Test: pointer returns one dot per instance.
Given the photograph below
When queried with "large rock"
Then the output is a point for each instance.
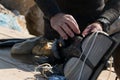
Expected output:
(5, 11)
(9, 20)
(34, 20)
(21, 5)
(34, 16)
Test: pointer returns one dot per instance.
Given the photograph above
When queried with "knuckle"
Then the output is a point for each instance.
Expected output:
(67, 19)
(70, 16)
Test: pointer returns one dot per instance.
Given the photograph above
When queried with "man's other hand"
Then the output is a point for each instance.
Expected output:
(65, 25)
(94, 27)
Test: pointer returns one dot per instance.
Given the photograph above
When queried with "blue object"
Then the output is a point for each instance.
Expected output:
(56, 77)
(9, 21)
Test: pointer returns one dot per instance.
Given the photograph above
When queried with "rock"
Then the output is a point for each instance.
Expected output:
(9, 20)
(5, 11)
(117, 61)
(116, 55)
(44, 48)
(35, 22)
(21, 5)
(22, 22)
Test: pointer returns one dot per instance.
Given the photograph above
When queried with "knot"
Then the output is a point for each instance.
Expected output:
(43, 68)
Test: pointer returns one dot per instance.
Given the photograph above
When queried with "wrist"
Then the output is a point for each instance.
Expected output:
(104, 23)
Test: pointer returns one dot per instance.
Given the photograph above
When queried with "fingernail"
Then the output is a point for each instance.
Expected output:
(83, 35)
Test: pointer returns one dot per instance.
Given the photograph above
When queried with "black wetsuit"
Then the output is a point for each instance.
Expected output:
(84, 11)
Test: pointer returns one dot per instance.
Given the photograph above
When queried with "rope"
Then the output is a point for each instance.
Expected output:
(44, 68)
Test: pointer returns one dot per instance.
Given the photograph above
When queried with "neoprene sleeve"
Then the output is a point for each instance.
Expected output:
(112, 11)
(49, 7)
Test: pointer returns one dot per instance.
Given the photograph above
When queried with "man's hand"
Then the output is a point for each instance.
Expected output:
(65, 25)
(94, 27)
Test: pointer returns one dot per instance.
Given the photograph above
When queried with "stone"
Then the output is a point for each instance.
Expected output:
(21, 5)
(35, 22)
(12, 21)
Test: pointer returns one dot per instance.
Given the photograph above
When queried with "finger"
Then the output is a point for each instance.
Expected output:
(73, 19)
(61, 32)
(73, 25)
(94, 30)
(67, 30)
(86, 31)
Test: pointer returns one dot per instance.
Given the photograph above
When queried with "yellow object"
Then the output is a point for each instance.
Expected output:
(44, 49)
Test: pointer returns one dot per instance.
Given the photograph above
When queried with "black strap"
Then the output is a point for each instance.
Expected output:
(10, 42)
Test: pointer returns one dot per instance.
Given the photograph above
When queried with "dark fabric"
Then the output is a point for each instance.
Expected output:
(49, 33)
(81, 7)
(111, 11)
(84, 11)
(49, 7)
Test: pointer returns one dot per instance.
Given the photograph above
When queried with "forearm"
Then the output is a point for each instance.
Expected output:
(112, 10)
(111, 13)
(49, 7)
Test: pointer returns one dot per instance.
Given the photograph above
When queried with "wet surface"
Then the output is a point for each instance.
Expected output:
(15, 60)
(17, 67)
